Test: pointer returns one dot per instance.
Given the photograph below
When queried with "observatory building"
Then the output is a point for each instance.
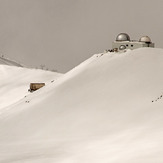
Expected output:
(123, 42)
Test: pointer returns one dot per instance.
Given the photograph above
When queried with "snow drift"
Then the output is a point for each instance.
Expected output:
(108, 109)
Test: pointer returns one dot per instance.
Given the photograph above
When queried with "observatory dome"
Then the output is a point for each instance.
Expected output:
(123, 37)
(122, 47)
(145, 39)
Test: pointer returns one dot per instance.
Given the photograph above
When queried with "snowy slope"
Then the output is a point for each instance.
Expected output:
(5, 61)
(15, 81)
(108, 109)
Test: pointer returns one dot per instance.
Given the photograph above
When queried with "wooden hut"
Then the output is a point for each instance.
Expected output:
(36, 86)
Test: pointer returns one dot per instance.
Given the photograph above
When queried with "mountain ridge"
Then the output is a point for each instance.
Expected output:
(101, 111)
(6, 61)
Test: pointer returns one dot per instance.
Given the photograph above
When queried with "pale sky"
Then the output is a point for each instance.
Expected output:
(63, 33)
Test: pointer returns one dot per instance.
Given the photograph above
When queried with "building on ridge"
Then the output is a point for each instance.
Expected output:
(123, 42)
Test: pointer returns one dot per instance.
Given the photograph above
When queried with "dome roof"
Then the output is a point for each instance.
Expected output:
(145, 39)
(123, 37)
(122, 47)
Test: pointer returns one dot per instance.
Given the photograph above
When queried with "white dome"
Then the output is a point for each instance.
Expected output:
(123, 37)
(122, 47)
(145, 39)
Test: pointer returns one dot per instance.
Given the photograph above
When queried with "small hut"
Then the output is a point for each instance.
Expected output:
(35, 86)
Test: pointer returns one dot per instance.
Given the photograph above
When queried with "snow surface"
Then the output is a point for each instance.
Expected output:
(109, 109)
(15, 81)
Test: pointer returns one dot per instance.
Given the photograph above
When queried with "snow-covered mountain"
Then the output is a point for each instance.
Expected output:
(6, 61)
(108, 109)
(15, 81)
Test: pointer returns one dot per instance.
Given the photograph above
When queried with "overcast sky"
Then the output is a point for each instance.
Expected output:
(62, 33)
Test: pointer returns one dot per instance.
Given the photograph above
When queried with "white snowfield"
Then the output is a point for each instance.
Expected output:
(15, 81)
(109, 109)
